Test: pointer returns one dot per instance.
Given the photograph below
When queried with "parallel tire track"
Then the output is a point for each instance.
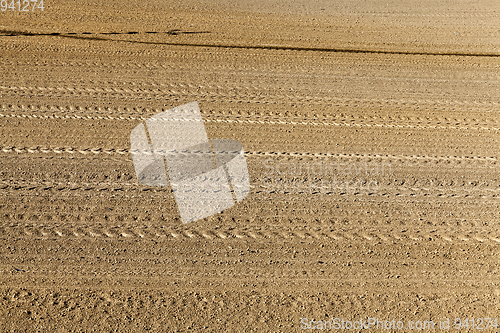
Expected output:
(263, 122)
(137, 111)
(454, 192)
(241, 95)
(272, 234)
(112, 151)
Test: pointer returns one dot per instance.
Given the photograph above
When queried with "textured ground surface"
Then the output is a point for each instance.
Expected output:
(406, 95)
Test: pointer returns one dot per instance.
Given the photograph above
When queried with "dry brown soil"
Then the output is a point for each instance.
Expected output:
(413, 87)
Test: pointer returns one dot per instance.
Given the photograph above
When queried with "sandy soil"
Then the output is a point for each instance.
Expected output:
(410, 89)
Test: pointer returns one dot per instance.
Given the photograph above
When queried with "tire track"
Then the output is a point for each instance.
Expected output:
(261, 122)
(217, 95)
(244, 70)
(246, 234)
(112, 151)
(127, 113)
(130, 112)
(67, 150)
(388, 190)
(172, 66)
